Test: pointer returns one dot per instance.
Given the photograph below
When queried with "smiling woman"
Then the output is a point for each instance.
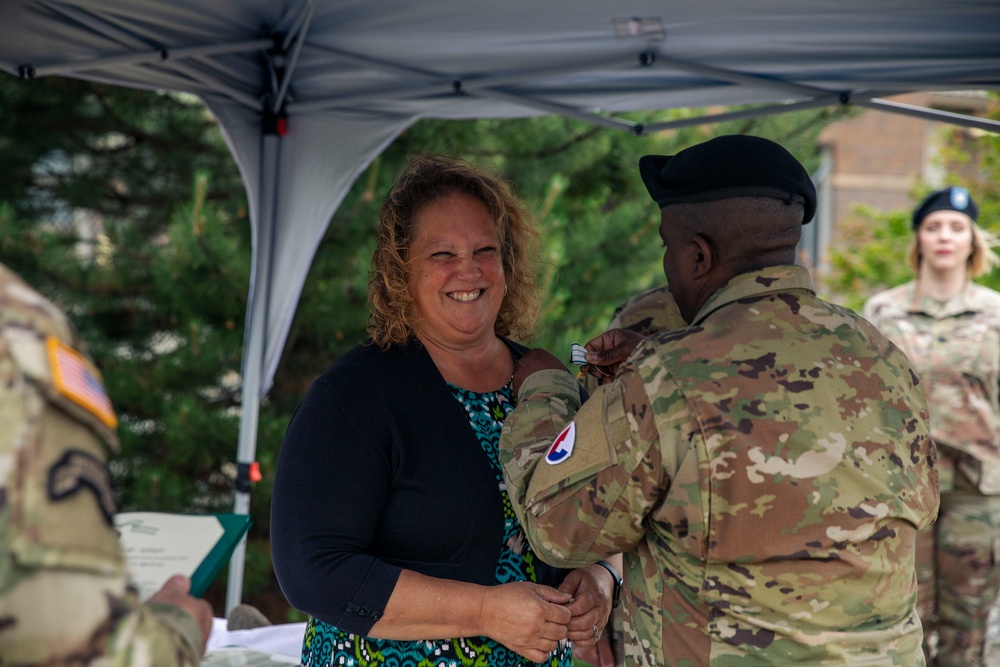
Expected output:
(391, 524)
(456, 281)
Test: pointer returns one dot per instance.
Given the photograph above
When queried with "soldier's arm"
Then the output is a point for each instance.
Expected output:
(160, 634)
(62, 569)
(581, 479)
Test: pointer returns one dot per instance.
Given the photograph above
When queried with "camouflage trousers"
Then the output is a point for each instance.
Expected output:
(957, 575)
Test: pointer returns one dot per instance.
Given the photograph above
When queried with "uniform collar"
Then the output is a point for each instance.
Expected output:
(752, 283)
(966, 301)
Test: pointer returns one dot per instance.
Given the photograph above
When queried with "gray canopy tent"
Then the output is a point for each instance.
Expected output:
(309, 92)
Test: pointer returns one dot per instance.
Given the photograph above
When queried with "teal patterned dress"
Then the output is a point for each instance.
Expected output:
(329, 646)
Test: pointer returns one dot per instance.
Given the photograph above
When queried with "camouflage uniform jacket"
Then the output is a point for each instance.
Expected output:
(764, 471)
(64, 594)
(648, 312)
(955, 348)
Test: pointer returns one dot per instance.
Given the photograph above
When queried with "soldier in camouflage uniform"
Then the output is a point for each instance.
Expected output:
(645, 313)
(764, 470)
(949, 328)
(64, 592)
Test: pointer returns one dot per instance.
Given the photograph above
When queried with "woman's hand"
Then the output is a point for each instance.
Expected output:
(592, 589)
(527, 618)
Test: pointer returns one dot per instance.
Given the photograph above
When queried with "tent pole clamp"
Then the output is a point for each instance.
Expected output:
(246, 475)
(274, 122)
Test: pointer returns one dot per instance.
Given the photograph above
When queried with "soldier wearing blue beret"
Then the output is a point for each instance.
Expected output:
(949, 328)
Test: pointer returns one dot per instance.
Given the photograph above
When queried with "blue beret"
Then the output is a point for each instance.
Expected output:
(728, 166)
(949, 199)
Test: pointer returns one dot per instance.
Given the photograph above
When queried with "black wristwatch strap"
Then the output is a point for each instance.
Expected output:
(616, 597)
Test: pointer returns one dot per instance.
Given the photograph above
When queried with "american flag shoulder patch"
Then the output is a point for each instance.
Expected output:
(78, 380)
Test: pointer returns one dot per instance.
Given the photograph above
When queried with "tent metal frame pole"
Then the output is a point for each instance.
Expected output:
(297, 26)
(731, 76)
(254, 348)
(474, 83)
(932, 114)
(829, 100)
(127, 40)
(214, 85)
(628, 61)
(450, 81)
(279, 98)
(560, 109)
(153, 56)
(88, 20)
(351, 102)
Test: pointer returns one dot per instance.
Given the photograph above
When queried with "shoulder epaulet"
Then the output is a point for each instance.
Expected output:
(43, 345)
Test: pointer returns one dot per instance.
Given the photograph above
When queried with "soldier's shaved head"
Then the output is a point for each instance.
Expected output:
(747, 232)
(710, 243)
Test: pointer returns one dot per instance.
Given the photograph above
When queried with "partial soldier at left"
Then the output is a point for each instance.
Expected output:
(65, 595)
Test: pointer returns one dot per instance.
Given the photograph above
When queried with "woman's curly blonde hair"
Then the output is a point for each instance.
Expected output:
(426, 179)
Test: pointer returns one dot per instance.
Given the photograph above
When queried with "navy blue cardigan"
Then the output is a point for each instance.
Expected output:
(380, 471)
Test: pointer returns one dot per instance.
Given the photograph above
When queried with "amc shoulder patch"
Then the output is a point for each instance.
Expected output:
(77, 379)
(562, 446)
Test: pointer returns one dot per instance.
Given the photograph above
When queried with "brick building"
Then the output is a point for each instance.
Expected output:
(877, 159)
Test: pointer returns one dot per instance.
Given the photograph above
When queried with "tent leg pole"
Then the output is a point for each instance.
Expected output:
(246, 453)
(254, 351)
(234, 584)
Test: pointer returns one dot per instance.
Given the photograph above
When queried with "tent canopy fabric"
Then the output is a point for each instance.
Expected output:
(344, 77)
(309, 92)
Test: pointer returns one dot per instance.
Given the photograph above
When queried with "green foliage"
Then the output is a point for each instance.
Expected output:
(874, 257)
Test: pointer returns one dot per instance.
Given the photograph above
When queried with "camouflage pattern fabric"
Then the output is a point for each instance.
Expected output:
(955, 348)
(648, 312)
(645, 313)
(64, 593)
(764, 471)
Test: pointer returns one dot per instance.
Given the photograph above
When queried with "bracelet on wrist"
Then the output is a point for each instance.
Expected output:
(616, 596)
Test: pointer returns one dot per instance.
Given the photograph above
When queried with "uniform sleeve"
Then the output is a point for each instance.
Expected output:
(62, 568)
(583, 479)
(155, 635)
(330, 483)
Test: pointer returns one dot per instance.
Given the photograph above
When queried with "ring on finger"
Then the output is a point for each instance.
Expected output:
(597, 633)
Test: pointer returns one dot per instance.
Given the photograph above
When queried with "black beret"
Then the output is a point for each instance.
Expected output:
(949, 199)
(729, 166)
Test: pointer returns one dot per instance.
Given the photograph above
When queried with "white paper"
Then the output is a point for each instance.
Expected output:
(282, 642)
(159, 545)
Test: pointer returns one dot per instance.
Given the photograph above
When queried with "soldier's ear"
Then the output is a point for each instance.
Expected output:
(703, 257)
